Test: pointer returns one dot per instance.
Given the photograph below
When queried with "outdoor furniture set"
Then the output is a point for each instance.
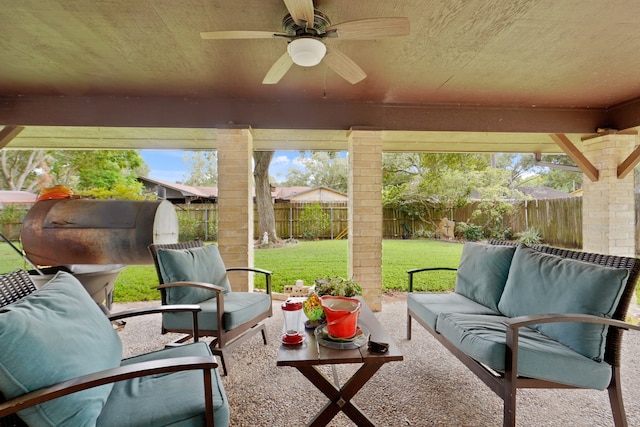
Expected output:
(533, 317)
(519, 317)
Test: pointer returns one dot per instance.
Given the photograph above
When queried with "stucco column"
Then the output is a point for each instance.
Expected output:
(608, 209)
(365, 213)
(235, 203)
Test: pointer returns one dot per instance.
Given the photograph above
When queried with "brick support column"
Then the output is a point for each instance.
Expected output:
(608, 210)
(235, 203)
(365, 213)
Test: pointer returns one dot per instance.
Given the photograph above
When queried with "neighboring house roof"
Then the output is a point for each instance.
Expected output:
(318, 194)
(174, 191)
(16, 197)
(536, 193)
(544, 193)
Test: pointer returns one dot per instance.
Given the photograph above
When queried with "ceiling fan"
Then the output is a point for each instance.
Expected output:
(306, 28)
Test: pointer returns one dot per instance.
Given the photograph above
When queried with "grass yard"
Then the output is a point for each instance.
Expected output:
(306, 261)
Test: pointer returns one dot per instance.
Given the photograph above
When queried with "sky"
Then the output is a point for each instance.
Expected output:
(168, 165)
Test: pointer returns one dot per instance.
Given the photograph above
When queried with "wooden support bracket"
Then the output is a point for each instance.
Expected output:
(629, 163)
(8, 133)
(572, 151)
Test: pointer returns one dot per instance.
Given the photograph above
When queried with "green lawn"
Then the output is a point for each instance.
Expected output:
(306, 261)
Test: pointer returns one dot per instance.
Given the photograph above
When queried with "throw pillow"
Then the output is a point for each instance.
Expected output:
(483, 271)
(201, 264)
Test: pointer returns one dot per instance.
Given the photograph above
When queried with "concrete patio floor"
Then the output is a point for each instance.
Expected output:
(429, 388)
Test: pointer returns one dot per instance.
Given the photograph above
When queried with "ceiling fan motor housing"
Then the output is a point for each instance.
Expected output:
(320, 24)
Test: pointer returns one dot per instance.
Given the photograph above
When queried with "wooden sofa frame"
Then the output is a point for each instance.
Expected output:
(506, 384)
(17, 285)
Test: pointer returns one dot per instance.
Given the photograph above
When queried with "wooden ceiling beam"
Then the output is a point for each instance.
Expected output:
(8, 133)
(179, 112)
(572, 151)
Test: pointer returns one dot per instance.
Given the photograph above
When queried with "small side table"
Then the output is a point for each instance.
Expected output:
(307, 356)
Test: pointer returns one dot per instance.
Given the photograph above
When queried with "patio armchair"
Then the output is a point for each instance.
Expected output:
(64, 366)
(193, 273)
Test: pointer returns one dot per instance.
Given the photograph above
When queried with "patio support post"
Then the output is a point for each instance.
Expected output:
(365, 213)
(235, 202)
(608, 224)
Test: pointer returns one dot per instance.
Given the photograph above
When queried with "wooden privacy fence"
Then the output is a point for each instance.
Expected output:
(559, 221)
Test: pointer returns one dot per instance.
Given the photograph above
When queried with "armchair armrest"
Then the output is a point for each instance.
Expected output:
(513, 325)
(136, 370)
(267, 274)
(209, 286)
(516, 322)
(193, 308)
(420, 270)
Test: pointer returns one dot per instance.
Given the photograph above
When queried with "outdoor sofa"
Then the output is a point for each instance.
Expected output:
(533, 317)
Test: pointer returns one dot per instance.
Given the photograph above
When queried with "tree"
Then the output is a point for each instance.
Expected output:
(321, 169)
(99, 173)
(203, 168)
(24, 170)
(263, 195)
(429, 186)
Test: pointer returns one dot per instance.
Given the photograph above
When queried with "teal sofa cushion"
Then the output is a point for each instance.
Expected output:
(175, 399)
(54, 334)
(427, 306)
(540, 283)
(482, 273)
(201, 264)
(484, 339)
(239, 307)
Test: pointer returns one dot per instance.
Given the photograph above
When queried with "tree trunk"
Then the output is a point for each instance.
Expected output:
(263, 196)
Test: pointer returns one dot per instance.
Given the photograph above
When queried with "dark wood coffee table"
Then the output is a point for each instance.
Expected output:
(306, 358)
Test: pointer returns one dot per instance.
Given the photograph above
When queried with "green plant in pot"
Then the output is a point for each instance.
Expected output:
(336, 286)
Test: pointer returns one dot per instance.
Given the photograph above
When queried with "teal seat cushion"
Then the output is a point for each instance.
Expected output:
(201, 264)
(52, 335)
(540, 283)
(427, 306)
(482, 273)
(240, 307)
(175, 399)
(484, 339)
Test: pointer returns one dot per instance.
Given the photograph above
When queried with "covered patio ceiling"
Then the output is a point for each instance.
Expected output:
(472, 76)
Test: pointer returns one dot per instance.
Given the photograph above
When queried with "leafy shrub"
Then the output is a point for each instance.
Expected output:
(314, 221)
(469, 232)
(530, 236)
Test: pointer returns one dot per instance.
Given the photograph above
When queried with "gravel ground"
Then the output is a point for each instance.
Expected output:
(429, 388)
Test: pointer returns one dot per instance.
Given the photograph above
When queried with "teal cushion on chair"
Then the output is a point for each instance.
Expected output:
(202, 264)
(483, 271)
(55, 334)
(175, 399)
(540, 283)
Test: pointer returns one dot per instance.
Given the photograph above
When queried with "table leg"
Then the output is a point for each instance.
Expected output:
(340, 398)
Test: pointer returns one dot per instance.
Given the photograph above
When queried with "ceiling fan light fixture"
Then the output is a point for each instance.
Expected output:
(306, 51)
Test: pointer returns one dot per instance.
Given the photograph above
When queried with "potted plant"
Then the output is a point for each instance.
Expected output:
(335, 286)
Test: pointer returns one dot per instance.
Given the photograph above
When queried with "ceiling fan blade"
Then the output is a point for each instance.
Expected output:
(278, 69)
(373, 28)
(216, 35)
(344, 66)
(301, 10)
